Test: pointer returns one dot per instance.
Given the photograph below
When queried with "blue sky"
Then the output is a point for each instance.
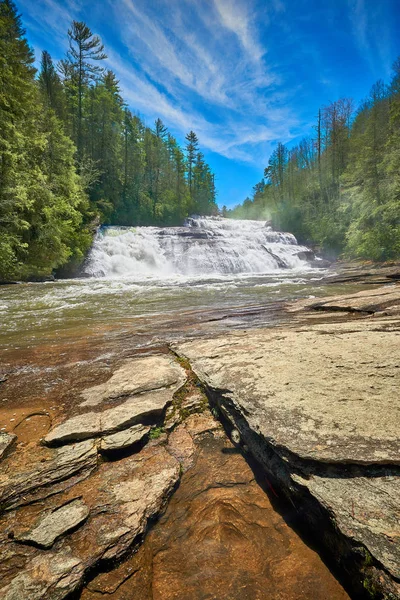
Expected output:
(244, 74)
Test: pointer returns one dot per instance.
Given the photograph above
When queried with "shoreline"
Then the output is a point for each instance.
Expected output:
(295, 473)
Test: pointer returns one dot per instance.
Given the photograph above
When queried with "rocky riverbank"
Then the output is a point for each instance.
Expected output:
(317, 404)
(87, 470)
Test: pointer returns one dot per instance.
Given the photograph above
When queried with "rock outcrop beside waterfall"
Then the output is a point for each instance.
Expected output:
(317, 405)
(313, 400)
(73, 519)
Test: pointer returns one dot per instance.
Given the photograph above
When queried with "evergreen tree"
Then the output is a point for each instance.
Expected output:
(192, 147)
(341, 189)
(51, 87)
(41, 201)
(85, 49)
(76, 119)
(102, 141)
(19, 142)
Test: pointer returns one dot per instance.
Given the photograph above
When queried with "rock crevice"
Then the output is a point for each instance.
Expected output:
(328, 437)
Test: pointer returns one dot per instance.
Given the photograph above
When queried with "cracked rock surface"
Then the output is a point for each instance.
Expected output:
(82, 480)
(219, 538)
(321, 401)
(136, 376)
(323, 393)
(66, 509)
(55, 523)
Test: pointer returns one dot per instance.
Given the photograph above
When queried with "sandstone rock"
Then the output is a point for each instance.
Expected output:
(56, 523)
(194, 403)
(135, 376)
(372, 301)
(49, 477)
(219, 538)
(124, 439)
(182, 447)
(121, 497)
(6, 440)
(323, 393)
(365, 509)
(143, 408)
(51, 576)
(317, 405)
(80, 427)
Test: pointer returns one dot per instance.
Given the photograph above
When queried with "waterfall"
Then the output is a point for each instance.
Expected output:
(204, 246)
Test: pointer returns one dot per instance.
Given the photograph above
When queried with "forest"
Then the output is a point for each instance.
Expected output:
(339, 189)
(73, 156)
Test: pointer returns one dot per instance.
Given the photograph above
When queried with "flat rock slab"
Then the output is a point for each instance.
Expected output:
(383, 299)
(124, 439)
(323, 393)
(146, 407)
(56, 523)
(6, 440)
(365, 509)
(324, 397)
(136, 376)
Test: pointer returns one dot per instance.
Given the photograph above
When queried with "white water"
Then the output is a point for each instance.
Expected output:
(205, 246)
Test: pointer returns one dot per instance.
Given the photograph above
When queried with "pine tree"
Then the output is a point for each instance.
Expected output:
(51, 87)
(192, 147)
(85, 49)
(102, 141)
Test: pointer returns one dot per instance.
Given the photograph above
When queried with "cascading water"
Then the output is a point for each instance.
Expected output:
(204, 246)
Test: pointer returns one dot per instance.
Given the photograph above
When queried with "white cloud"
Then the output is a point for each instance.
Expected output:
(370, 28)
(236, 16)
(196, 64)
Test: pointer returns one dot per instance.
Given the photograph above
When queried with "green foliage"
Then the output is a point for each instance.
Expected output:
(340, 189)
(156, 432)
(72, 155)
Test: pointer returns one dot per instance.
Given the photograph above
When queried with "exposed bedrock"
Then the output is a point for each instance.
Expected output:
(138, 392)
(317, 406)
(67, 510)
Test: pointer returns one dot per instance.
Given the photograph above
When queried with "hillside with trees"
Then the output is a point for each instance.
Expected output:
(73, 155)
(339, 188)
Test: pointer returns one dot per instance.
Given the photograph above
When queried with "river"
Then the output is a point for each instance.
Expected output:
(158, 283)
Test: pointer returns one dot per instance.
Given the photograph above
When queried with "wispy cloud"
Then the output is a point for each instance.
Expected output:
(177, 69)
(197, 64)
(370, 29)
(237, 17)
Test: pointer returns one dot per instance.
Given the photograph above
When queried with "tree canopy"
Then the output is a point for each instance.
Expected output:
(340, 188)
(73, 155)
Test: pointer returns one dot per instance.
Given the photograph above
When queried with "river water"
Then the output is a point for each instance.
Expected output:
(146, 280)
